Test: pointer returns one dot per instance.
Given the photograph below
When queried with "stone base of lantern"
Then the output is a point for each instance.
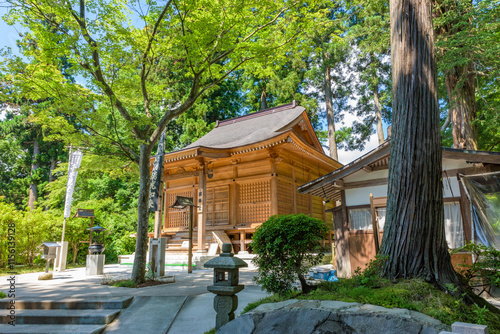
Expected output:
(225, 307)
(95, 264)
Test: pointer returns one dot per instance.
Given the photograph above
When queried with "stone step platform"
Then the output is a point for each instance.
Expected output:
(52, 329)
(66, 317)
(112, 303)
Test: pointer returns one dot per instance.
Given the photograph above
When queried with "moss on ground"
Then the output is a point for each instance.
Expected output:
(414, 294)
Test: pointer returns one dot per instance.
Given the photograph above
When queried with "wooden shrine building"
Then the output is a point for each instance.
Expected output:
(360, 189)
(242, 172)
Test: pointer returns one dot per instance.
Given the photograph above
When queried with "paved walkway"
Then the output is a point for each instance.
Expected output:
(187, 301)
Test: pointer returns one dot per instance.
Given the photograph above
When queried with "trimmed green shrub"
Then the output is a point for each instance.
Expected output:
(284, 246)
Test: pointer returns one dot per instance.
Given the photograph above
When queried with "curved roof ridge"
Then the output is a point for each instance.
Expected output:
(260, 113)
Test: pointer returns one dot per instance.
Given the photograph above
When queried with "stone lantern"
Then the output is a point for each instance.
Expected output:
(95, 260)
(226, 277)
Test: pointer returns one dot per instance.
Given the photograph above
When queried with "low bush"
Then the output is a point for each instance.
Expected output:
(284, 246)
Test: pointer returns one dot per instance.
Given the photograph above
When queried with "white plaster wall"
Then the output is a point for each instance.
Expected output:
(362, 175)
(455, 164)
(361, 196)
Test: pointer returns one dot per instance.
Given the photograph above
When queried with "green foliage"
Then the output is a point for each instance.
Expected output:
(2, 295)
(150, 273)
(372, 272)
(124, 284)
(486, 268)
(31, 229)
(283, 245)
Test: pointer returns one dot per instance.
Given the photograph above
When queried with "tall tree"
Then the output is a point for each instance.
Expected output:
(467, 44)
(190, 45)
(414, 238)
(370, 34)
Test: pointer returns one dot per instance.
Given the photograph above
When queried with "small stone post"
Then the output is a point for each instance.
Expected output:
(226, 277)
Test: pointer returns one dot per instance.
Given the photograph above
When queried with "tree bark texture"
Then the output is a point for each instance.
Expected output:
(33, 193)
(462, 99)
(141, 244)
(329, 115)
(378, 115)
(460, 84)
(263, 97)
(414, 236)
(53, 165)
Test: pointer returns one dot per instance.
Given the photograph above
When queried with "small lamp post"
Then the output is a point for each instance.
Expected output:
(95, 260)
(98, 246)
(226, 277)
(182, 202)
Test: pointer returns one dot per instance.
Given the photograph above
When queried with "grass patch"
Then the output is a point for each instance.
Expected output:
(123, 284)
(414, 294)
(33, 269)
(2, 295)
(126, 283)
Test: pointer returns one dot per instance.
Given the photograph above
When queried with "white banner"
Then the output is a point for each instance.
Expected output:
(75, 158)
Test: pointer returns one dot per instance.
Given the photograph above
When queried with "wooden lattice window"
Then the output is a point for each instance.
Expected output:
(218, 205)
(177, 217)
(285, 198)
(255, 202)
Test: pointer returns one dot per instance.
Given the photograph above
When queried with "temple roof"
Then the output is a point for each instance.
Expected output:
(251, 128)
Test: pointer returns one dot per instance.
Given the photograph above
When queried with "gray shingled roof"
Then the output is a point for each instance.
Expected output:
(251, 128)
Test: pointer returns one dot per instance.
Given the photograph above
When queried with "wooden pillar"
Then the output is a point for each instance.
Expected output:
(274, 188)
(341, 228)
(374, 224)
(165, 206)
(234, 199)
(294, 185)
(202, 208)
(243, 247)
(158, 212)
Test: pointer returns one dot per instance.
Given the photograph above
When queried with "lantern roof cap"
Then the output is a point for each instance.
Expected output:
(97, 228)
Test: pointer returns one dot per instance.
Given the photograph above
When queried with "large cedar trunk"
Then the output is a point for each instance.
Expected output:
(414, 236)
(329, 115)
(141, 244)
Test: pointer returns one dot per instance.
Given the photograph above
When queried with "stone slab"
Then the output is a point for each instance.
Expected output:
(69, 303)
(68, 317)
(465, 328)
(95, 264)
(308, 317)
(149, 315)
(52, 329)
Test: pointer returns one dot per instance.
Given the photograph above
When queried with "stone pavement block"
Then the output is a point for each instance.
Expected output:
(443, 332)
(465, 328)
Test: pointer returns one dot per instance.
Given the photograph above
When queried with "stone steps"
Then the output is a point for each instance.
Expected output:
(115, 303)
(52, 329)
(67, 317)
(72, 315)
